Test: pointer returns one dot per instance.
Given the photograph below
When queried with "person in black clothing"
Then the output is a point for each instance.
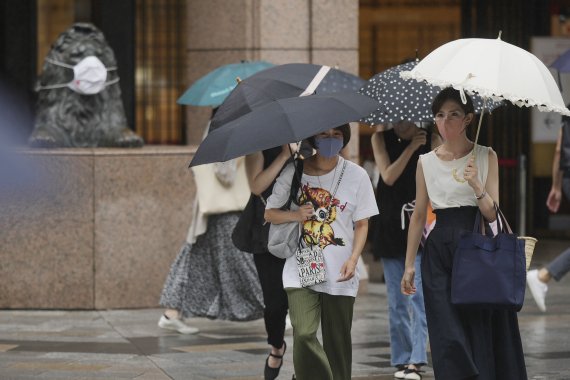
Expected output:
(262, 169)
(396, 153)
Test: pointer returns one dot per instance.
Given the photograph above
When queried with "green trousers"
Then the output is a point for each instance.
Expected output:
(333, 359)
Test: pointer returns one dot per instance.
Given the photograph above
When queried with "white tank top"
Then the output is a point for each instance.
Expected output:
(443, 178)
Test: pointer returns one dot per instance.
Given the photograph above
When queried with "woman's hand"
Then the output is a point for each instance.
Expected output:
(347, 270)
(419, 139)
(553, 200)
(470, 175)
(288, 149)
(408, 286)
(305, 212)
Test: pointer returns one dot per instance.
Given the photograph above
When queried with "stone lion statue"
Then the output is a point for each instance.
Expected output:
(79, 98)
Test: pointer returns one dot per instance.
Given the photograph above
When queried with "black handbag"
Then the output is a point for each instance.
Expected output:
(489, 272)
(250, 232)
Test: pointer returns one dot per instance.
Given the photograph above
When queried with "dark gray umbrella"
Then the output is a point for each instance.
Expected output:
(280, 122)
(562, 65)
(402, 99)
(279, 82)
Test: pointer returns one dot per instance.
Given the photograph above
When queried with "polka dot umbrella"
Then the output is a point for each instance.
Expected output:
(402, 99)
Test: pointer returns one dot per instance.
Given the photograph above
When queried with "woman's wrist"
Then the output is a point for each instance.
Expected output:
(410, 150)
(478, 188)
(481, 195)
(284, 155)
(354, 258)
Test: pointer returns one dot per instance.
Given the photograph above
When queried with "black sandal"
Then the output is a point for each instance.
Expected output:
(272, 373)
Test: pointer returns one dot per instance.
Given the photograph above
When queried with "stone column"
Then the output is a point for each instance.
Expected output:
(278, 31)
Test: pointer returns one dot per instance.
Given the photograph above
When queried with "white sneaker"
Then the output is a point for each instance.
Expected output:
(176, 325)
(400, 374)
(537, 288)
(412, 375)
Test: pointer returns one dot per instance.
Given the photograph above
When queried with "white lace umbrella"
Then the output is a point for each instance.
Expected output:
(493, 69)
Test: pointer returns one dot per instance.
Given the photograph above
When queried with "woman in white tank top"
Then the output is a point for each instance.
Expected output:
(459, 178)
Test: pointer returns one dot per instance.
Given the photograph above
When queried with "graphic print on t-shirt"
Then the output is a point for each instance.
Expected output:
(318, 229)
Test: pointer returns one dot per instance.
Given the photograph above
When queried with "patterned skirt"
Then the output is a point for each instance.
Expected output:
(214, 279)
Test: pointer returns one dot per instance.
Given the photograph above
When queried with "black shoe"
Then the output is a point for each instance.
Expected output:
(272, 373)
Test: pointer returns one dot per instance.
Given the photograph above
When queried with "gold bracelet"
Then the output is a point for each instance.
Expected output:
(481, 196)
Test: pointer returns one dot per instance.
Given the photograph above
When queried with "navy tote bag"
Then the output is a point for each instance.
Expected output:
(489, 272)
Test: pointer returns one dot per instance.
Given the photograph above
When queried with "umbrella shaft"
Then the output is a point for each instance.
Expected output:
(479, 125)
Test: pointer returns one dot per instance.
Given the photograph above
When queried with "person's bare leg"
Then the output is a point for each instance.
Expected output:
(544, 275)
(275, 362)
(172, 313)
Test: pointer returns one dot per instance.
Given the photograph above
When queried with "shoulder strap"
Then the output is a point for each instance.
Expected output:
(295, 183)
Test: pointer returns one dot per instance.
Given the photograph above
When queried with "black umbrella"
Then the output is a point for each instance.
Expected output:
(279, 82)
(280, 122)
(402, 99)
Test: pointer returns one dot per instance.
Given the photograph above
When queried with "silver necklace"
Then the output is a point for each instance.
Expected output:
(334, 175)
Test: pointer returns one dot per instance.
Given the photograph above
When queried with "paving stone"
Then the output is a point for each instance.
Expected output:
(127, 344)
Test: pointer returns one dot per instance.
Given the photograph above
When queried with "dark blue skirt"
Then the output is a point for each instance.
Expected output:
(474, 344)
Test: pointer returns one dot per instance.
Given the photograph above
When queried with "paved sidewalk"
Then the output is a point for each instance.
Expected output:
(127, 344)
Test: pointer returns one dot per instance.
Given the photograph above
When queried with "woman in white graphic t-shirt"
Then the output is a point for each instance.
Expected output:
(333, 205)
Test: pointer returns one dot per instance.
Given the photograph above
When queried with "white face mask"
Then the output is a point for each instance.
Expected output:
(89, 76)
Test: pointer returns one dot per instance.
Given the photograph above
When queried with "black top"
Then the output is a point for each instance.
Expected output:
(389, 238)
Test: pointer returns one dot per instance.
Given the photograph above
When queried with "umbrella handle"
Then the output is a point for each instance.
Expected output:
(479, 125)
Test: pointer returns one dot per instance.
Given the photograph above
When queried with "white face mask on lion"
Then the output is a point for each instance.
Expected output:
(89, 76)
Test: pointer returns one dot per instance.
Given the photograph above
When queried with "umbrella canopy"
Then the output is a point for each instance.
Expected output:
(279, 82)
(402, 99)
(562, 65)
(280, 122)
(214, 87)
(492, 69)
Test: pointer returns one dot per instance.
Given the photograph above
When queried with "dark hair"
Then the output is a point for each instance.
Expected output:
(450, 93)
(345, 129)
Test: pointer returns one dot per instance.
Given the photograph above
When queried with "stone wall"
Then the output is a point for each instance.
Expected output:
(94, 228)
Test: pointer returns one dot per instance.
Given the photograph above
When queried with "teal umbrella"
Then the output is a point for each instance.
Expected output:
(214, 87)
